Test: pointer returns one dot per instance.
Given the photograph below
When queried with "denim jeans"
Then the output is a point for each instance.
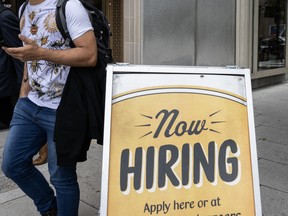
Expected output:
(30, 128)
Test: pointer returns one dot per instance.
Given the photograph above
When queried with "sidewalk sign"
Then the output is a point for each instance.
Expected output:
(179, 141)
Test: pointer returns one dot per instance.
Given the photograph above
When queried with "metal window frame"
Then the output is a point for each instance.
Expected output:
(270, 72)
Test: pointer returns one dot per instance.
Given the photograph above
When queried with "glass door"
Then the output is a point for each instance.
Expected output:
(272, 34)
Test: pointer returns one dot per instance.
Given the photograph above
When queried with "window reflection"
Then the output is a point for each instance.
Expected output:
(272, 34)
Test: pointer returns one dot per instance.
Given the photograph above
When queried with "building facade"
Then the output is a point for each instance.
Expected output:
(244, 33)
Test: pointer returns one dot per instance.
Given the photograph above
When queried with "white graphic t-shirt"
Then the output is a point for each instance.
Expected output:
(48, 79)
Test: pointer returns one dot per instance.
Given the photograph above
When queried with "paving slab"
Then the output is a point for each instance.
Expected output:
(273, 175)
(273, 120)
(274, 203)
(273, 152)
(268, 133)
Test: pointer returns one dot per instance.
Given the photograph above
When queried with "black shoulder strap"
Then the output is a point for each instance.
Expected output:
(61, 21)
(23, 8)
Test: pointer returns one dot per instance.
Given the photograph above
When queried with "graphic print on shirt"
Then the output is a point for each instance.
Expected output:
(50, 23)
(44, 39)
(46, 78)
(34, 66)
(31, 15)
(35, 85)
(34, 26)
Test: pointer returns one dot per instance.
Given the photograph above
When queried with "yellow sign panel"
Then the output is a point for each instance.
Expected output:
(180, 150)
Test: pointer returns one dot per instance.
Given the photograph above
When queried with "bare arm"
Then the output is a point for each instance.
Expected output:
(84, 54)
(25, 87)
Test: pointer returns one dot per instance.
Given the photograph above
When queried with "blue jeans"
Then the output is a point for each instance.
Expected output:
(30, 128)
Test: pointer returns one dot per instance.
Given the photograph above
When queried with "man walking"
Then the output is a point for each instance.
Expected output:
(47, 65)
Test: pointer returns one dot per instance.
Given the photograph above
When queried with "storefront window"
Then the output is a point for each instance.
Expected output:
(272, 34)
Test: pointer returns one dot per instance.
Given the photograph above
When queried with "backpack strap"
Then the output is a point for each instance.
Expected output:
(23, 8)
(61, 22)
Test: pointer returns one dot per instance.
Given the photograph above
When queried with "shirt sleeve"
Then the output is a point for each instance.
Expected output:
(77, 18)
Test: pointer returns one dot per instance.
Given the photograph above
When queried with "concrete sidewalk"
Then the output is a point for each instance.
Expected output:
(271, 121)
